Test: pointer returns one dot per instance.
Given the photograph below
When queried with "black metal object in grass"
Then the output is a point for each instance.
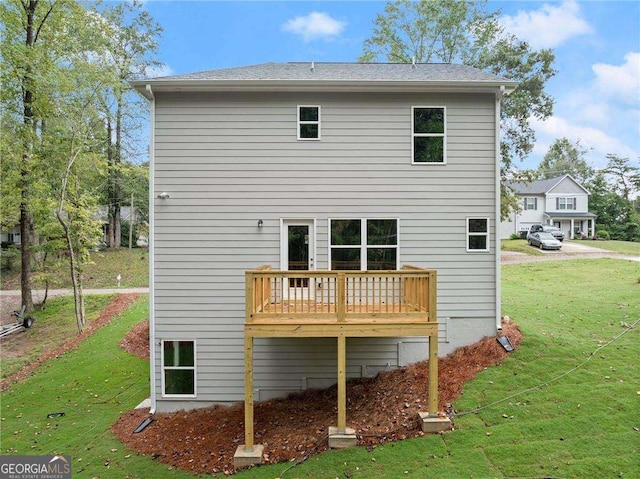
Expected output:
(505, 343)
(142, 426)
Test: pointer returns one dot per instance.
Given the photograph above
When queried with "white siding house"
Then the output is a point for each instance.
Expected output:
(323, 166)
(560, 201)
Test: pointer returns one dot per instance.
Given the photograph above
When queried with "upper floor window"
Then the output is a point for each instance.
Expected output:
(531, 203)
(364, 244)
(178, 368)
(428, 135)
(565, 203)
(308, 122)
(478, 234)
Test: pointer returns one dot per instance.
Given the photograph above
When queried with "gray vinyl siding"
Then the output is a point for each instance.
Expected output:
(230, 159)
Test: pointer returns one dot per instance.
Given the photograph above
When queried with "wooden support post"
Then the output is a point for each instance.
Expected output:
(342, 297)
(248, 392)
(433, 374)
(342, 384)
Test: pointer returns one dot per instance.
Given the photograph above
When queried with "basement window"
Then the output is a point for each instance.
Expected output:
(308, 122)
(178, 368)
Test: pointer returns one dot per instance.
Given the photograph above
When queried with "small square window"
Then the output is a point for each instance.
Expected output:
(478, 234)
(308, 122)
(428, 135)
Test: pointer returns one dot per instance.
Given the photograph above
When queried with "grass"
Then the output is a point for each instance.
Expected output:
(101, 272)
(624, 247)
(519, 246)
(54, 325)
(580, 425)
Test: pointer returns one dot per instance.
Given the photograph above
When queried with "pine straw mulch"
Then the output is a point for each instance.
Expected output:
(380, 409)
(120, 303)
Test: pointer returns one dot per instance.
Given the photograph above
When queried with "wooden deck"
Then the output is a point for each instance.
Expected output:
(339, 304)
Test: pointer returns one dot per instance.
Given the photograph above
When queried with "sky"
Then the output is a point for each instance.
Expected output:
(596, 44)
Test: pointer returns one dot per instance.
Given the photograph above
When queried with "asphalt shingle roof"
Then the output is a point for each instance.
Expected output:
(435, 72)
(538, 187)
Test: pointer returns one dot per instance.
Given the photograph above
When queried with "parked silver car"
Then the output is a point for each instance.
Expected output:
(544, 240)
(554, 230)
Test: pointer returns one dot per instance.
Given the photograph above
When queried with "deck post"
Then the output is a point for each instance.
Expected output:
(433, 375)
(248, 392)
(341, 437)
(342, 384)
(248, 454)
(341, 297)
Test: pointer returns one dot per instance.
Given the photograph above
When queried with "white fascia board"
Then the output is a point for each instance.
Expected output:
(323, 86)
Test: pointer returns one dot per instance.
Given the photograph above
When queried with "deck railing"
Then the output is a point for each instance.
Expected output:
(340, 296)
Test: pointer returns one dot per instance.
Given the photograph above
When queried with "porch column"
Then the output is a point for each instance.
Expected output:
(571, 233)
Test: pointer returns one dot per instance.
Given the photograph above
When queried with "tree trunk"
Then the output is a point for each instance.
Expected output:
(75, 276)
(25, 167)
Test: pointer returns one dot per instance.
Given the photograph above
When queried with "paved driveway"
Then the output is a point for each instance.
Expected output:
(570, 250)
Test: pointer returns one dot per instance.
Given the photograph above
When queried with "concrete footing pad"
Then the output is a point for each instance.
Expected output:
(243, 458)
(341, 440)
(434, 424)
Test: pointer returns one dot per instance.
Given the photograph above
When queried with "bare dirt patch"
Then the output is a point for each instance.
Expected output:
(120, 303)
(380, 409)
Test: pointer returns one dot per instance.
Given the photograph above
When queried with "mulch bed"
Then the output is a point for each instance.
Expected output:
(380, 409)
(136, 341)
(120, 303)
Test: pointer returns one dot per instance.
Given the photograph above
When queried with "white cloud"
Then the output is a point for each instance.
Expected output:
(162, 70)
(597, 141)
(315, 25)
(621, 82)
(549, 26)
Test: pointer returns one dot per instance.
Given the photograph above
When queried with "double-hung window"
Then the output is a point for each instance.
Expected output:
(428, 135)
(364, 244)
(178, 368)
(565, 203)
(308, 122)
(478, 235)
(531, 203)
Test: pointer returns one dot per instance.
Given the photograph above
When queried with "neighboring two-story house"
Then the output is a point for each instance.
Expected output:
(295, 204)
(560, 201)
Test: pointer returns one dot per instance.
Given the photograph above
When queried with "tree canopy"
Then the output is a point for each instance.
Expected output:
(565, 157)
(65, 95)
(467, 32)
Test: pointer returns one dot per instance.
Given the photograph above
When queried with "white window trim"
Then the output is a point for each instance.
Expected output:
(363, 241)
(469, 234)
(565, 200)
(443, 135)
(300, 122)
(163, 368)
(535, 203)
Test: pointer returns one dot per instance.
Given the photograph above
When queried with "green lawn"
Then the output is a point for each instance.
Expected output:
(624, 247)
(579, 425)
(519, 246)
(132, 266)
(54, 325)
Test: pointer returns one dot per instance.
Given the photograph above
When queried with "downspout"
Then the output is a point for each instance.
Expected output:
(152, 246)
(496, 236)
